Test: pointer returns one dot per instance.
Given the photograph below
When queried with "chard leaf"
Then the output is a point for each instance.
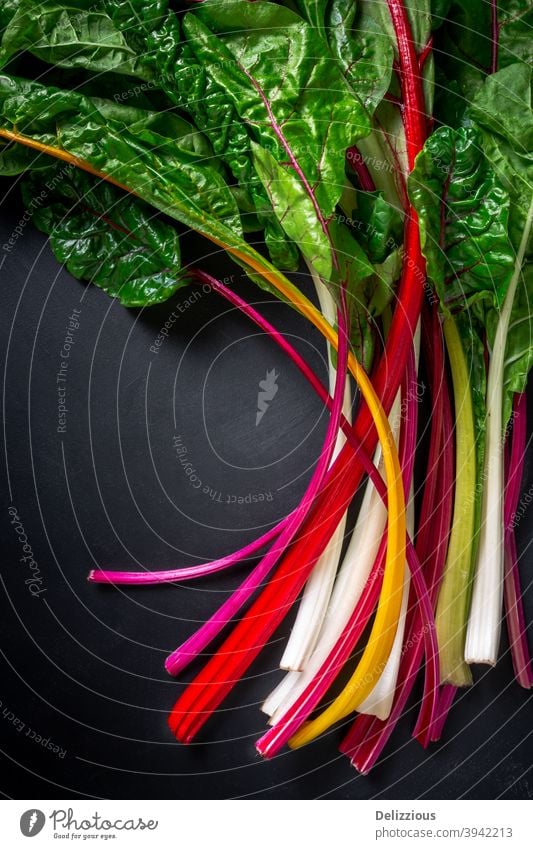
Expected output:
(463, 211)
(419, 13)
(368, 289)
(515, 21)
(469, 33)
(380, 287)
(357, 38)
(107, 237)
(152, 30)
(136, 19)
(519, 347)
(69, 37)
(439, 11)
(518, 358)
(278, 80)
(507, 132)
(294, 102)
(378, 225)
(420, 17)
(374, 296)
(515, 172)
(354, 267)
(161, 130)
(190, 85)
(15, 159)
(302, 225)
(174, 179)
(316, 243)
(502, 108)
(367, 299)
(171, 177)
(466, 51)
(7, 10)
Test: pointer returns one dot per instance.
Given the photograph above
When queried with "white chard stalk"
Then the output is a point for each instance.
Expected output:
(484, 625)
(318, 588)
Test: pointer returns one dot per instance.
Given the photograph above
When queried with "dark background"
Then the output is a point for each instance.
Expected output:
(82, 665)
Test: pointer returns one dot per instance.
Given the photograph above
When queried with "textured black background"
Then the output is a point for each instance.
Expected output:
(83, 665)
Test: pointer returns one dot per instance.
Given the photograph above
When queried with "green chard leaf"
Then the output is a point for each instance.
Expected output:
(106, 237)
(419, 13)
(188, 84)
(469, 33)
(15, 159)
(279, 80)
(298, 135)
(358, 38)
(166, 173)
(463, 211)
(467, 51)
(136, 19)
(439, 11)
(518, 355)
(173, 178)
(361, 39)
(378, 225)
(384, 149)
(502, 108)
(152, 29)
(508, 137)
(7, 10)
(515, 21)
(519, 348)
(69, 37)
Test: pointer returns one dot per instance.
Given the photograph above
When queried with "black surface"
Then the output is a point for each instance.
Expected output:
(82, 665)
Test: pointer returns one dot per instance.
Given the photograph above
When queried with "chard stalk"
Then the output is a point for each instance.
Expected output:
(484, 626)
(374, 153)
(452, 607)
(318, 588)
(379, 702)
(512, 591)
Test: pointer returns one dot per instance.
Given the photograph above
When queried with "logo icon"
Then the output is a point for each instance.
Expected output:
(32, 822)
(268, 388)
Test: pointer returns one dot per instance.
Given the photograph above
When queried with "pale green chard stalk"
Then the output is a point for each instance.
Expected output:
(454, 596)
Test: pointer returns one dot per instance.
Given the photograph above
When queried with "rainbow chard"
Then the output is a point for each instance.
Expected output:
(305, 132)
